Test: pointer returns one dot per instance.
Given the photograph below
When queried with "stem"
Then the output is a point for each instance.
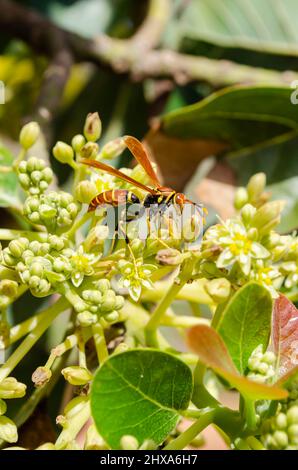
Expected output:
(19, 158)
(69, 343)
(81, 348)
(250, 413)
(29, 406)
(9, 234)
(76, 423)
(187, 436)
(160, 311)
(254, 443)
(100, 343)
(194, 292)
(43, 322)
(78, 223)
(183, 321)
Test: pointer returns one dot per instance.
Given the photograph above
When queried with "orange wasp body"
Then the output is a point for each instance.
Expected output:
(159, 195)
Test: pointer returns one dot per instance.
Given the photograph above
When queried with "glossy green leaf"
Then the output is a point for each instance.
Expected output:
(8, 181)
(212, 351)
(246, 322)
(139, 393)
(260, 25)
(245, 118)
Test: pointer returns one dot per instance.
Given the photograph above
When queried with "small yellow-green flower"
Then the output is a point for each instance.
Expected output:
(290, 269)
(236, 245)
(134, 276)
(82, 264)
(269, 276)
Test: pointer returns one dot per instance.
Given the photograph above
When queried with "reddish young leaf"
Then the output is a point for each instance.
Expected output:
(285, 334)
(212, 351)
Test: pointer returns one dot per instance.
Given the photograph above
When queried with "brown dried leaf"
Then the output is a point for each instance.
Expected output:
(177, 158)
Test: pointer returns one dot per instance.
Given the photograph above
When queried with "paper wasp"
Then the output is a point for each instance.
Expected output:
(159, 195)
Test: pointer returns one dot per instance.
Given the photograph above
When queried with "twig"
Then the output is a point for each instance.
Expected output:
(135, 55)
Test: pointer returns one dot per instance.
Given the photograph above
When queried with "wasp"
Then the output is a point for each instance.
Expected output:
(158, 195)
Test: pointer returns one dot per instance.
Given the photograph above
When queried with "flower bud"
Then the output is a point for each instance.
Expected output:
(281, 421)
(252, 234)
(169, 257)
(129, 443)
(112, 149)
(292, 415)
(281, 439)
(76, 375)
(62, 421)
(34, 164)
(293, 434)
(86, 319)
(9, 288)
(119, 302)
(108, 301)
(75, 406)
(247, 213)
(8, 430)
(41, 376)
(112, 317)
(256, 186)
(3, 407)
(103, 285)
(271, 240)
(241, 198)
(93, 440)
(90, 150)
(16, 248)
(29, 135)
(24, 180)
(92, 296)
(92, 128)
(78, 142)
(122, 347)
(47, 212)
(85, 191)
(218, 289)
(63, 153)
(11, 388)
(267, 216)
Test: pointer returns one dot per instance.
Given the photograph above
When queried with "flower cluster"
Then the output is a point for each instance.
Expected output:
(34, 176)
(262, 366)
(247, 248)
(9, 388)
(99, 301)
(55, 210)
(134, 276)
(281, 431)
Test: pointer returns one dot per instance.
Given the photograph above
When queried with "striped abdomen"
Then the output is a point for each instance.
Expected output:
(113, 197)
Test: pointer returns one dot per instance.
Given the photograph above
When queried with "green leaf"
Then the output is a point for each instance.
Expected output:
(212, 351)
(246, 322)
(8, 181)
(245, 118)
(139, 393)
(285, 334)
(259, 25)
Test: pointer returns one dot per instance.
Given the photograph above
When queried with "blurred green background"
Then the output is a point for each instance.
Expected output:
(208, 129)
